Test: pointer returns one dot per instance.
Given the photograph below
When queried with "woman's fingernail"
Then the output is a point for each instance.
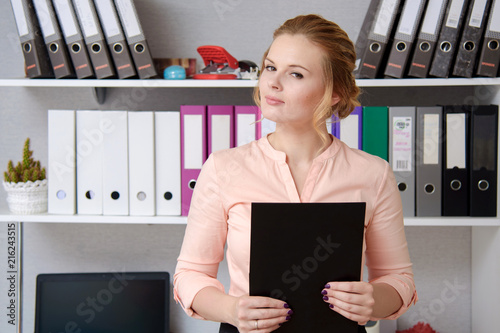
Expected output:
(324, 292)
(286, 306)
(331, 306)
(290, 312)
(288, 318)
(327, 286)
(325, 298)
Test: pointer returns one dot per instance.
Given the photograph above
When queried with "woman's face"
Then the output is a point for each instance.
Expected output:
(291, 84)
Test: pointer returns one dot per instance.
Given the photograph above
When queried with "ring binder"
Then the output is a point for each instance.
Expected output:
(115, 39)
(73, 38)
(58, 54)
(94, 38)
(37, 62)
(136, 39)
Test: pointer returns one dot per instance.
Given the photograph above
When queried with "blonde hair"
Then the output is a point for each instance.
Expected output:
(338, 65)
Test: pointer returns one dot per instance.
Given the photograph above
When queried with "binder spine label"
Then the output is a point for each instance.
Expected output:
(402, 144)
(431, 139)
(68, 25)
(494, 28)
(222, 139)
(476, 17)
(110, 24)
(86, 18)
(193, 138)
(384, 20)
(456, 140)
(22, 25)
(454, 14)
(407, 26)
(127, 10)
(433, 16)
(44, 18)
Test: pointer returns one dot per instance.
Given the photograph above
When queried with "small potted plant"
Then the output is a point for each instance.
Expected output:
(26, 184)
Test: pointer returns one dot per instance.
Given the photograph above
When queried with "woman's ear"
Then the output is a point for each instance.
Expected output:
(335, 98)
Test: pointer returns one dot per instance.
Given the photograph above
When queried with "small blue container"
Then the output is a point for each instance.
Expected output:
(174, 72)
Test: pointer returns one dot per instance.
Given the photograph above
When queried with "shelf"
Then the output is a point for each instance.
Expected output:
(105, 83)
(452, 222)
(160, 83)
(51, 218)
(101, 219)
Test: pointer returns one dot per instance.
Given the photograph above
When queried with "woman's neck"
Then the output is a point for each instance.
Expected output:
(300, 146)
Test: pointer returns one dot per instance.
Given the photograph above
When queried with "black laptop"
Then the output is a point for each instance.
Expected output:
(121, 302)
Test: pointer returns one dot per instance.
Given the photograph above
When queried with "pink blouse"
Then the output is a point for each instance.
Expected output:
(232, 179)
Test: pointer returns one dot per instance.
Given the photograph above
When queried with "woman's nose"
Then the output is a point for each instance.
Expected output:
(274, 83)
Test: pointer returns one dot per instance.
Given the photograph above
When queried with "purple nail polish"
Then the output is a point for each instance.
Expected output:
(325, 298)
(324, 292)
(331, 306)
(286, 306)
(288, 318)
(327, 286)
(290, 312)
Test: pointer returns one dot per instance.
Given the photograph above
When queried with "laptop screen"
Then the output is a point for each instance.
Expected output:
(131, 302)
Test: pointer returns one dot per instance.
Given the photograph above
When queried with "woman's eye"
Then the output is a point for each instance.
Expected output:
(270, 68)
(297, 75)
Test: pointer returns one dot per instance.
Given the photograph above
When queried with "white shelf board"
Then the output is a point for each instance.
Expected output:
(160, 83)
(52, 218)
(434, 82)
(113, 83)
(443, 221)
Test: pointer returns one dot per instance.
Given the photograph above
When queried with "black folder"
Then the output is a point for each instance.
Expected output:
(483, 175)
(36, 59)
(404, 38)
(115, 38)
(427, 38)
(56, 46)
(471, 38)
(94, 39)
(449, 37)
(362, 39)
(136, 39)
(296, 248)
(74, 38)
(490, 49)
(456, 119)
(379, 39)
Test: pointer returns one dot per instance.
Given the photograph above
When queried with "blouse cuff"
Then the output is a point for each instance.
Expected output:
(185, 292)
(406, 290)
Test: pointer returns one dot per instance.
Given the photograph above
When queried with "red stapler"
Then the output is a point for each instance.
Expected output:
(219, 64)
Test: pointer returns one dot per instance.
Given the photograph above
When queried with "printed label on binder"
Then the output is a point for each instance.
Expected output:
(402, 144)
(431, 139)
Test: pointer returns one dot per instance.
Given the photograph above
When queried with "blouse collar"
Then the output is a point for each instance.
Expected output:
(277, 155)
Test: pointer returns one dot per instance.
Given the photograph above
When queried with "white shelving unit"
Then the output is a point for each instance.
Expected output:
(51, 218)
(485, 231)
(160, 83)
(493, 85)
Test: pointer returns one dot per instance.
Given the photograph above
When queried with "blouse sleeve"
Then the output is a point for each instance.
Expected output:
(203, 246)
(387, 257)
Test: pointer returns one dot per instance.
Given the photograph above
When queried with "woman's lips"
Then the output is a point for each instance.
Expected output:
(273, 100)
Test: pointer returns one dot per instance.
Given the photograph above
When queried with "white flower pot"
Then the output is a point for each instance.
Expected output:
(27, 198)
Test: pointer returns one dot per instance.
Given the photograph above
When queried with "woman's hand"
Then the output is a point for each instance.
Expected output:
(353, 300)
(260, 314)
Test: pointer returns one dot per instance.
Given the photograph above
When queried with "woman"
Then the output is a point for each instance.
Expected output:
(306, 77)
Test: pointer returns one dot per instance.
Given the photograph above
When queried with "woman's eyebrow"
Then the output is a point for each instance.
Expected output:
(292, 65)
